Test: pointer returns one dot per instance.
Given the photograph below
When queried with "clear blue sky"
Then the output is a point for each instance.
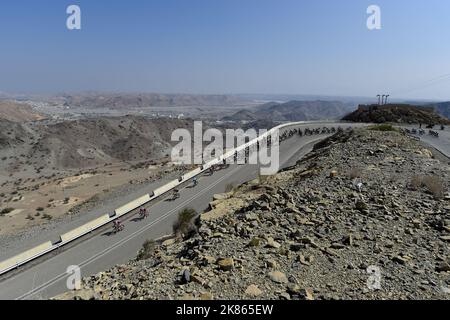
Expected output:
(227, 46)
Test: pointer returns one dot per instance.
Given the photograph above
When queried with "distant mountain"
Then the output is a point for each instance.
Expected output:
(397, 113)
(142, 100)
(294, 111)
(443, 108)
(242, 115)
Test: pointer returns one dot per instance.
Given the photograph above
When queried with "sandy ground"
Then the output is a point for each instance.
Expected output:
(38, 200)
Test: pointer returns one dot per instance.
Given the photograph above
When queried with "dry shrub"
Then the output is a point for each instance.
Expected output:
(147, 250)
(5, 211)
(229, 187)
(382, 127)
(185, 224)
(435, 185)
(355, 173)
(416, 182)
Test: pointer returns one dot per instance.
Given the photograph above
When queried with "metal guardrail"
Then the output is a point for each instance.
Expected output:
(15, 262)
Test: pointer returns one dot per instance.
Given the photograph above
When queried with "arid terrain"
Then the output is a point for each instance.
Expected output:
(18, 112)
(49, 169)
(37, 201)
(183, 151)
(362, 200)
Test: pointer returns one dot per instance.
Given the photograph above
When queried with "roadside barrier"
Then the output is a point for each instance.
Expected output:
(84, 229)
(25, 257)
(132, 205)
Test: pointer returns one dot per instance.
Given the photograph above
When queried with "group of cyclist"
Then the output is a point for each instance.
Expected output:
(176, 192)
(143, 213)
(431, 126)
(119, 226)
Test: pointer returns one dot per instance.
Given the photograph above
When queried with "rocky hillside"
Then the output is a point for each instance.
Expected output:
(363, 200)
(18, 112)
(397, 114)
(442, 108)
(293, 111)
(85, 143)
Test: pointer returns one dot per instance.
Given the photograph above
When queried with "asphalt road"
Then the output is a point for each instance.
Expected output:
(46, 277)
(442, 143)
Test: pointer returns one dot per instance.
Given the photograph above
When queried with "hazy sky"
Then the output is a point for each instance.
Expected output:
(227, 46)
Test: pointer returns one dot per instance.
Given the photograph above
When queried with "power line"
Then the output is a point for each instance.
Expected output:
(424, 84)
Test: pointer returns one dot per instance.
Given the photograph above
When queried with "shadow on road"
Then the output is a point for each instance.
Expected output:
(137, 219)
(108, 233)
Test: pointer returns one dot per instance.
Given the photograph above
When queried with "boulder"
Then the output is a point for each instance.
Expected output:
(278, 277)
(361, 206)
(306, 294)
(333, 174)
(271, 263)
(443, 266)
(221, 196)
(226, 264)
(168, 242)
(253, 291)
(272, 243)
(82, 294)
(206, 296)
(254, 242)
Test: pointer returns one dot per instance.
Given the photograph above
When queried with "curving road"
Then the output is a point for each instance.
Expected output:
(46, 277)
(442, 143)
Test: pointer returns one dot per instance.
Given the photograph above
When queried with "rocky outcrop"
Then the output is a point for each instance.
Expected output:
(396, 113)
